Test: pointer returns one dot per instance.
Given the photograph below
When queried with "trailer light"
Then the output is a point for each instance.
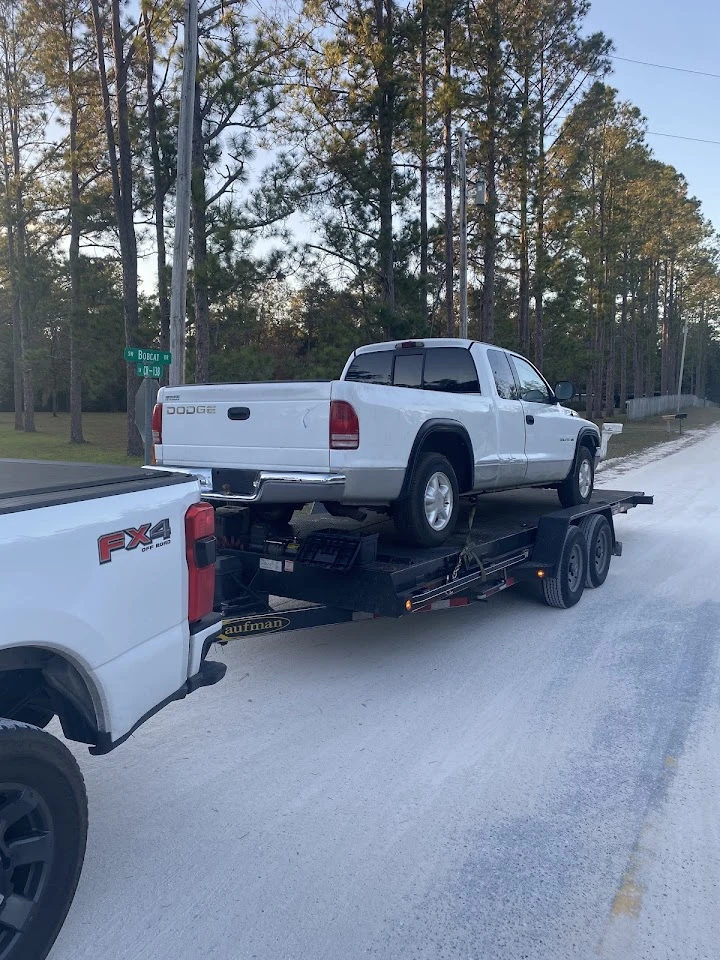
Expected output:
(408, 605)
(541, 573)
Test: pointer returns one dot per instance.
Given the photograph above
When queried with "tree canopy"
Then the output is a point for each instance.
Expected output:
(324, 197)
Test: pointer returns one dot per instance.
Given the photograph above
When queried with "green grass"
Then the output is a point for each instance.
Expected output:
(105, 434)
(106, 439)
(639, 435)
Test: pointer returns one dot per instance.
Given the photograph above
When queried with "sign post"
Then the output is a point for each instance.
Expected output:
(148, 365)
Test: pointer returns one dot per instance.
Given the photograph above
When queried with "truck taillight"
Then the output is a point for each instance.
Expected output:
(344, 426)
(157, 423)
(200, 552)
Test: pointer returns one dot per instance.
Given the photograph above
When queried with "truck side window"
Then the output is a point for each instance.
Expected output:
(504, 379)
(373, 367)
(533, 388)
(450, 370)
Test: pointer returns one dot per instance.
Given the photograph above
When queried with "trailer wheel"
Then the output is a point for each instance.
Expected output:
(566, 587)
(43, 831)
(427, 516)
(598, 538)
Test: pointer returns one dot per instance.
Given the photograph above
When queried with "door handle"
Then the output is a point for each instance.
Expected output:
(529, 419)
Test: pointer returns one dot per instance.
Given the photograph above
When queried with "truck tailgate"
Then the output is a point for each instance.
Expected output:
(263, 426)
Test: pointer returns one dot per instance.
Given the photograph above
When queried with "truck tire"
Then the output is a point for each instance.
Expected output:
(566, 587)
(578, 486)
(427, 515)
(599, 542)
(43, 832)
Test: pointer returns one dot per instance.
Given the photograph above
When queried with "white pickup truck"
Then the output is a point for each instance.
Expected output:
(106, 605)
(412, 426)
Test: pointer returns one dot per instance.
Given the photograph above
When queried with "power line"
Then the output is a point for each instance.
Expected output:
(665, 66)
(676, 136)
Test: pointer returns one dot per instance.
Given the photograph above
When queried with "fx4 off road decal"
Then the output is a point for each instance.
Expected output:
(145, 537)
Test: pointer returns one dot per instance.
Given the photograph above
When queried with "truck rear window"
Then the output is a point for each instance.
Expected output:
(446, 369)
(373, 367)
(408, 370)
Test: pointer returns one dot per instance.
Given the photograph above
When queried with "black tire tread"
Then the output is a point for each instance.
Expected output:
(589, 526)
(554, 587)
(22, 741)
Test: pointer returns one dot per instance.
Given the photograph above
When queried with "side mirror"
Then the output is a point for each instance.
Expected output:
(564, 391)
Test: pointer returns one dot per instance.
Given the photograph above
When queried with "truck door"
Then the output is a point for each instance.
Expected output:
(510, 421)
(549, 444)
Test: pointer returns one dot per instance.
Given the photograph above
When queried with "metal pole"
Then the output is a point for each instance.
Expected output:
(682, 367)
(463, 238)
(178, 292)
(148, 421)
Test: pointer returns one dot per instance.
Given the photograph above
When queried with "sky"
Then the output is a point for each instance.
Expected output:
(682, 34)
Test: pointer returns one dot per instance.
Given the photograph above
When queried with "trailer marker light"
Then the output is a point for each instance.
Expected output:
(541, 573)
(408, 605)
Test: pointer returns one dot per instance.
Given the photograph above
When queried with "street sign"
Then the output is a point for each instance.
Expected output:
(141, 355)
(154, 371)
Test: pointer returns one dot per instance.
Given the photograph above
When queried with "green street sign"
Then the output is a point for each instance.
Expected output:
(141, 355)
(154, 371)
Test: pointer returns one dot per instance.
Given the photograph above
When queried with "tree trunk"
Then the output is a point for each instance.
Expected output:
(25, 325)
(702, 343)
(21, 258)
(636, 326)
(121, 172)
(623, 333)
(200, 257)
(447, 181)
(158, 193)
(540, 258)
(494, 83)
(15, 303)
(665, 335)
(524, 251)
(386, 121)
(76, 429)
(424, 165)
(17, 363)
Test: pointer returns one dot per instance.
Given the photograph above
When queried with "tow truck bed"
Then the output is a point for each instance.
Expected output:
(343, 570)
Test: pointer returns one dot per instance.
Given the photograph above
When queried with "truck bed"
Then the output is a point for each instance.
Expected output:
(29, 484)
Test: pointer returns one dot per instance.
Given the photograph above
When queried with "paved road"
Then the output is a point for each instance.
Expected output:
(507, 781)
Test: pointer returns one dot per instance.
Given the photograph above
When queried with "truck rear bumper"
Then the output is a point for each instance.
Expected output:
(204, 673)
(270, 486)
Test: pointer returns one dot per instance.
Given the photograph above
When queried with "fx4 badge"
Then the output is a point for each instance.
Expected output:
(145, 536)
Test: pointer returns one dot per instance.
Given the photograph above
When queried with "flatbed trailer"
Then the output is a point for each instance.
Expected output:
(324, 570)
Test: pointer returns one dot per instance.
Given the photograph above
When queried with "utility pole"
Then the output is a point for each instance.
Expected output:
(463, 237)
(181, 246)
(682, 366)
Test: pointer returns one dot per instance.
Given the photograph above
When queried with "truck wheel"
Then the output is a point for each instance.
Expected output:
(566, 587)
(43, 830)
(598, 539)
(577, 487)
(427, 515)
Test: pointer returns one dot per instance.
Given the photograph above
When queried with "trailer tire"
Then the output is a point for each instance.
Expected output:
(413, 514)
(599, 539)
(43, 833)
(565, 588)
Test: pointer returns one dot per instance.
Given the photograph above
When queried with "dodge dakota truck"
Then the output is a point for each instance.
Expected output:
(410, 426)
(107, 578)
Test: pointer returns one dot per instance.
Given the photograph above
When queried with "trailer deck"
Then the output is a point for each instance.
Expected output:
(337, 570)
